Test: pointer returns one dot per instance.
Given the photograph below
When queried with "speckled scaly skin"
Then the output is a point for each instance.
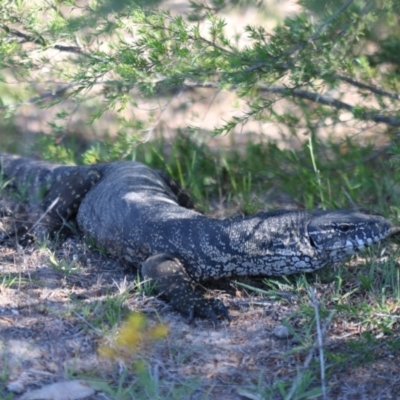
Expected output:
(142, 216)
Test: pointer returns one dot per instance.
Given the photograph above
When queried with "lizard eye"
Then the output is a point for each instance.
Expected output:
(343, 227)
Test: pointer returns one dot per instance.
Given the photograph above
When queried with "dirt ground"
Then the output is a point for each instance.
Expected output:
(51, 328)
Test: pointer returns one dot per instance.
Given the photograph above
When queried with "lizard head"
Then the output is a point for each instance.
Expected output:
(338, 234)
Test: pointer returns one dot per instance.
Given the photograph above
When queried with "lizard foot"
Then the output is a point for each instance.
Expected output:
(170, 278)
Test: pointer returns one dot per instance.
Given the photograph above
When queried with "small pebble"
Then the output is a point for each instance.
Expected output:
(281, 332)
(16, 387)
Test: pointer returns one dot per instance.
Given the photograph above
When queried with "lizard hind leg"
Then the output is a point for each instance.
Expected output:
(171, 280)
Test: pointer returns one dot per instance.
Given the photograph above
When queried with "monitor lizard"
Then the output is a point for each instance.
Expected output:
(143, 216)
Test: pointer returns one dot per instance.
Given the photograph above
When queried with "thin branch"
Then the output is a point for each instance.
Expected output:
(329, 101)
(321, 332)
(283, 90)
(304, 94)
(314, 97)
(50, 95)
(371, 88)
(26, 37)
(51, 206)
(40, 40)
(321, 27)
(76, 50)
(353, 82)
(71, 49)
(320, 335)
(330, 19)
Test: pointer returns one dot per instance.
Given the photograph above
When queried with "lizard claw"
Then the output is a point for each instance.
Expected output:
(221, 310)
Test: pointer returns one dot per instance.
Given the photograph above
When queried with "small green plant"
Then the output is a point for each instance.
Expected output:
(3, 182)
(8, 280)
(67, 267)
(4, 375)
(145, 287)
(52, 151)
(4, 370)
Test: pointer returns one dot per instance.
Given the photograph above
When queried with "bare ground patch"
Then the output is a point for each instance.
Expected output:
(52, 321)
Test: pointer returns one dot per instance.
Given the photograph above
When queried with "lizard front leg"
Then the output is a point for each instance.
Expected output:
(171, 280)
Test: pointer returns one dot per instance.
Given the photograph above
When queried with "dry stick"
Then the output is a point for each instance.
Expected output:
(320, 335)
(49, 208)
(96, 330)
(321, 332)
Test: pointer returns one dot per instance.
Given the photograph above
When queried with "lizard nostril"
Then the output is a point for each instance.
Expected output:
(312, 241)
